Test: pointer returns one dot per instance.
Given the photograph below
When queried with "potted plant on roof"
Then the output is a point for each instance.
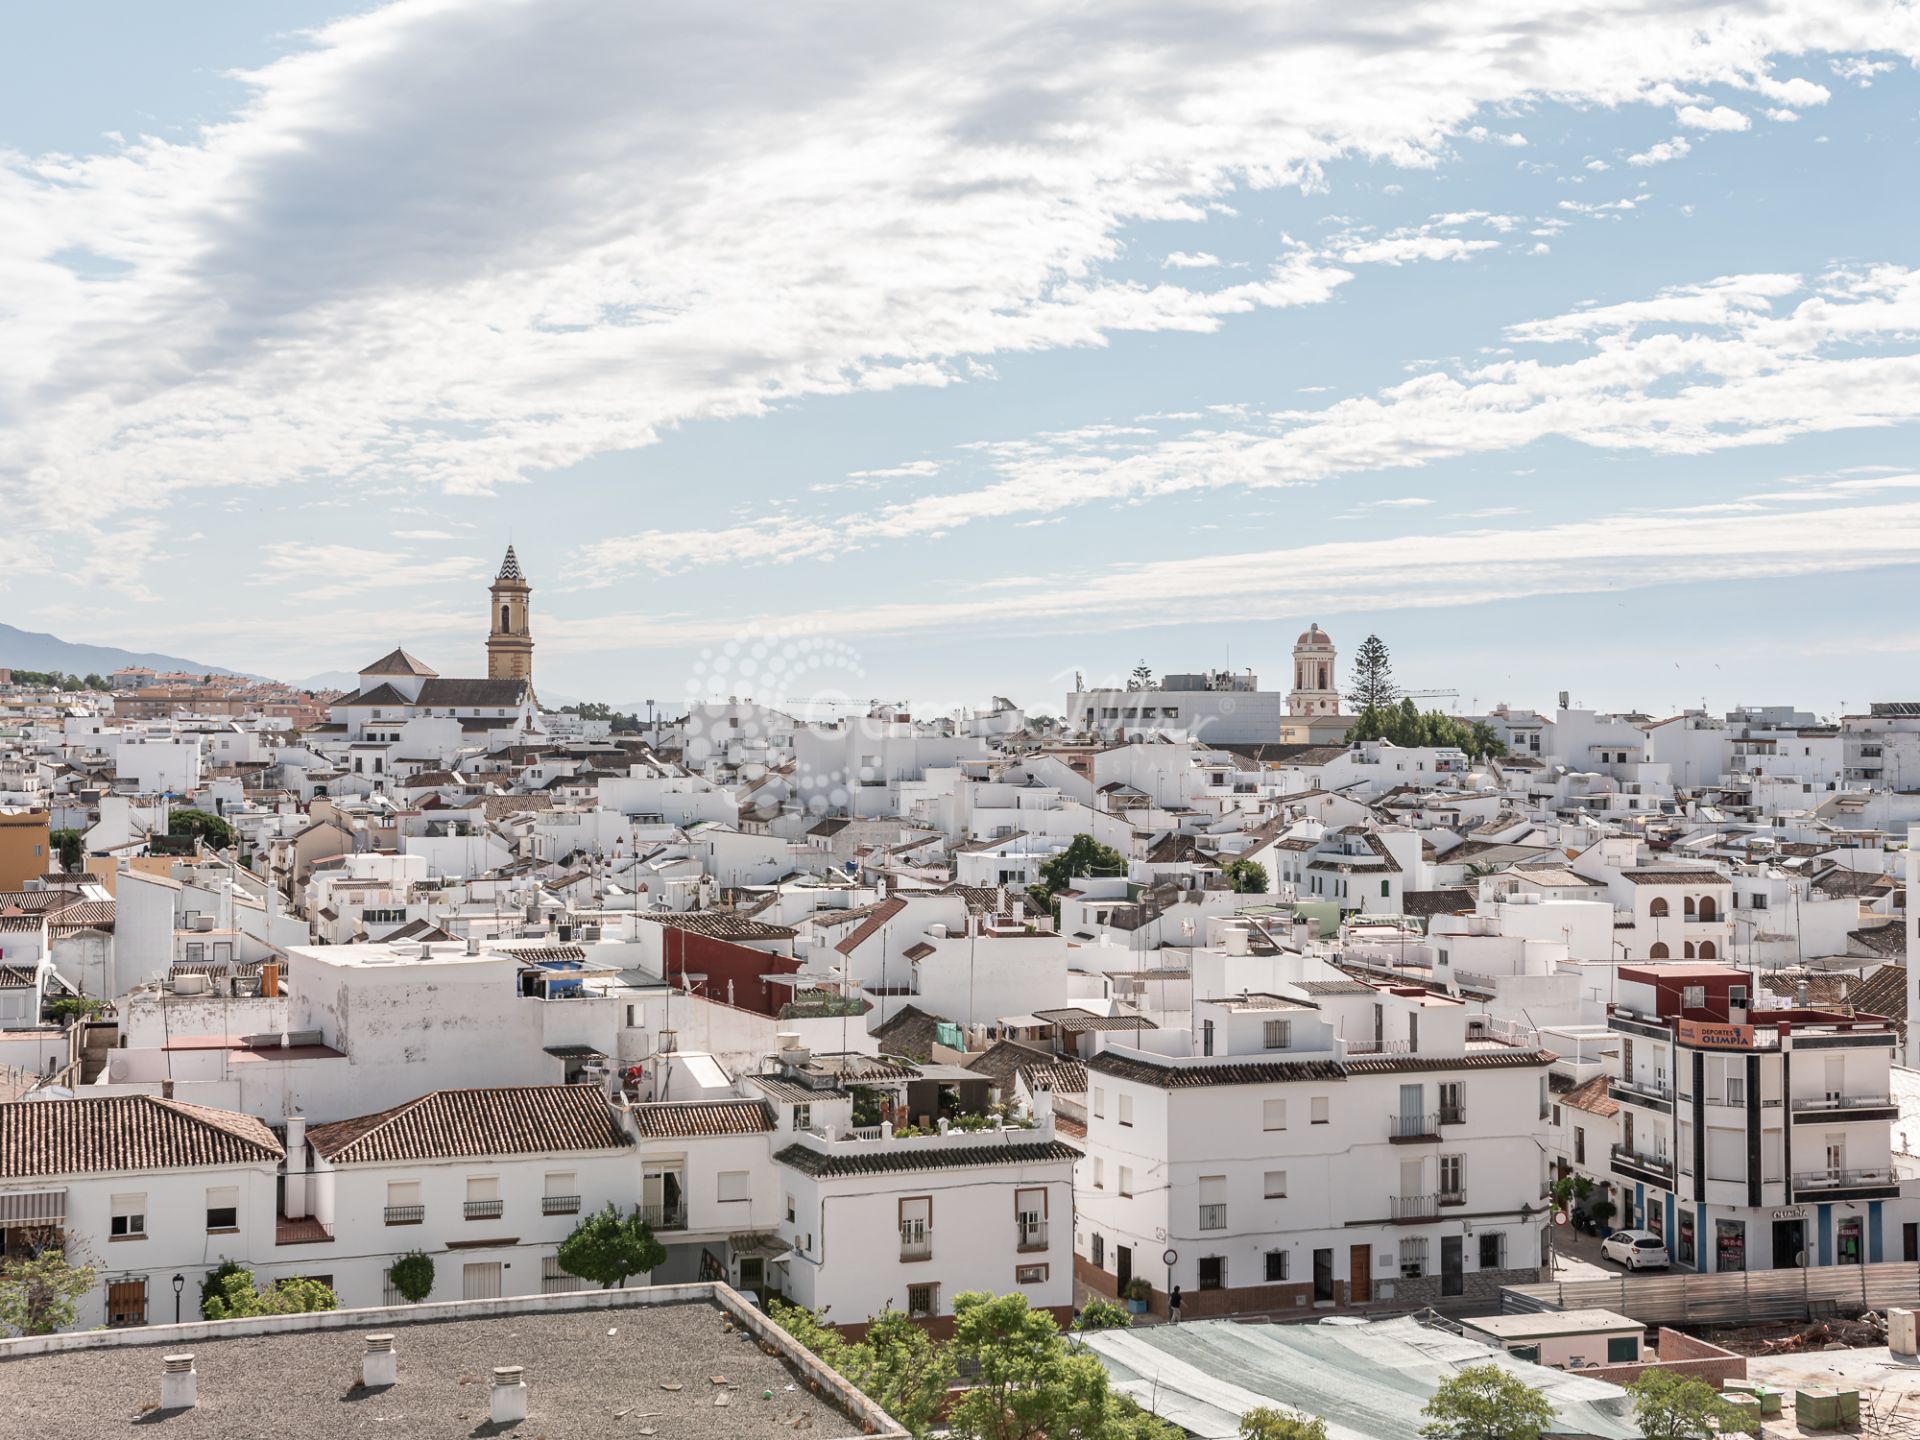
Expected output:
(1138, 1293)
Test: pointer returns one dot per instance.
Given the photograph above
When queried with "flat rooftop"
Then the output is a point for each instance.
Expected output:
(598, 1370)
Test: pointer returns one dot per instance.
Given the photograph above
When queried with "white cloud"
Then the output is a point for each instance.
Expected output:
(1785, 117)
(418, 259)
(1720, 117)
(1861, 71)
(305, 571)
(1181, 260)
(1659, 154)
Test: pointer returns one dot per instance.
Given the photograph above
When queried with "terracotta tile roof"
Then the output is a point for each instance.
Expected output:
(1675, 875)
(872, 925)
(1069, 1076)
(126, 1132)
(929, 1157)
(87, 915)
(791, 1092)
(675, 1119)
(1004, 1059)
(719, 924)
(1887, 941)
(18, 977)
(1839, 881)
(504, 1120)
(1594, 1097)
(1884, 992)
(1454, 900)
(1074, 1020)
(909, 1031)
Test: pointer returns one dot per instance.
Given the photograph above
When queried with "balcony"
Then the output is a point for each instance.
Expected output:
(484, 1209)
(1454, 1197)
(1411, 1209)
(665, 1217)
(300, 1230)
(1213, 1217)
(1842, 1179)
(1633, 1165)
(1411, 1129)
(1832, 1106)
(1657, 1092)
(560, 1205)
(1453, 1114)
(406, 1214)
(916, 1242)
(1033, 1234)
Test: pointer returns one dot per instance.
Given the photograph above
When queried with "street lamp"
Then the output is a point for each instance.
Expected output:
(179, 1284)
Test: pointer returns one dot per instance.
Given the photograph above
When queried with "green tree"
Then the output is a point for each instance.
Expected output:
(1030, 1385)
(39, 1293)
(1098, 1314)
(1265, 1423)
(1248, 877)
(235, 1298)
(1141, 678)
(210, 828)
(1084, 855)
(1372, 677)
(412, 1276)
(896, 1361)
(70, 846)
(606, 1247)
(1485, 1402)
(62, 1008)
(1484, 744)
(94, 682)
(1672, 1407)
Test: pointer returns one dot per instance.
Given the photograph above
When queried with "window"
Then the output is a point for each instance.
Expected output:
(1579, 1145)
(1736, 1090)
(1693, 997)
(1556, 1115)
(1453, 1177)
(1452, 1110)
(916, 1227)
(923, 1301)
(129, 1219)
(403, 1203)
(223, 1207)
(1659, 951)
(790, 1209)
(560, 1194)
(1099, 1173)
(1413, 1257)
(1100, 1102)
(1126, 1109)
(1386, 889)
(1213, 1202)
(1030, 1218)
(480, 1280)
(555, 1281)
(1099, 1251)
(1030, 1274)
(1213, 1272)
(126, 1303)
(1279, 1034)
(1276, 1186)
(1126, 1180)
(483, 1198)
(1493, 1250)
(1274, 1115)
(1276, 1267)
(1319, 1110)
(1206, 1037)
(1659, 909)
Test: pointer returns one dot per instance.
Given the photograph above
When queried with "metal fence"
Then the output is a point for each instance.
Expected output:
(1733, 1297)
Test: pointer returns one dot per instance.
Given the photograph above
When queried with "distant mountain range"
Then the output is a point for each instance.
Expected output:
(33, 650)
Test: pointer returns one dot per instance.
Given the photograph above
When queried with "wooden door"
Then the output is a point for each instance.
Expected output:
(1360, 1274)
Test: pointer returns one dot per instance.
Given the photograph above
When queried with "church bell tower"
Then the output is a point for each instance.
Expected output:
(509, 640)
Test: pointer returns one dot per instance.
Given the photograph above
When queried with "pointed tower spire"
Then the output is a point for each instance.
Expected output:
(510, 567)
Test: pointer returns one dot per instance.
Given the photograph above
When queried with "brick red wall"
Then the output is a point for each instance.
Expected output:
(722, 961)
(1682, 1355)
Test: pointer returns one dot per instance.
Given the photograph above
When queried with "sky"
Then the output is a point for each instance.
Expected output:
(932, 354)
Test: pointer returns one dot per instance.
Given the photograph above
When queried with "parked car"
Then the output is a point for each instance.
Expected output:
(1636, 1249)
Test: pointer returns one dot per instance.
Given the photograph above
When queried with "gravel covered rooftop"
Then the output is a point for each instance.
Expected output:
(590, 1372)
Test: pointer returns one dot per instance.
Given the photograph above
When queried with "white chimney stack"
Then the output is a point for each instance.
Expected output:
(509, 1394)
(180, 1385)
(380, 1366)
(296, 1206)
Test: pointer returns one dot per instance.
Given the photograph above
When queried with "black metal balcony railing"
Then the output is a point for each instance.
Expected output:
(300, 1230)
(406, 1214)
(1662, 1164)
(665, 1217)
(484, 1209)
(560, 1205)
(1413, 1127)
(1213, 1217)
(1656, 1089)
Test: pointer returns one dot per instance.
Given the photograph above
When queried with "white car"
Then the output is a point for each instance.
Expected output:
(1636, 1249)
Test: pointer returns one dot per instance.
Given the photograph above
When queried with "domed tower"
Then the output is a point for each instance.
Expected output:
(1314, 689)
(510, 641)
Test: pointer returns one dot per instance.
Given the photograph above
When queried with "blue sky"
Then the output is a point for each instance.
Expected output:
(937, 356)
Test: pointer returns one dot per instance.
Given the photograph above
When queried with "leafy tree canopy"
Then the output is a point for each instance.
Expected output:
(39, 1293)
(1672, 1407)
(210, 828)
(1485, 1402)
(1248, 877)
(412, 1276)
(235, 1298)
(1372, 676)
(606, 1247)
(1265, 1423)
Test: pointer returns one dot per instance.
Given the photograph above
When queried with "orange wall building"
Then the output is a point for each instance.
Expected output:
(23, 848)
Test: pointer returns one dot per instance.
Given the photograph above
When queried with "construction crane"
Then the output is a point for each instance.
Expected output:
(1428, 694)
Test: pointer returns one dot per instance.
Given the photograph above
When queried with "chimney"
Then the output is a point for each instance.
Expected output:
(379, 1367)
(180, 1385)
(296, 1199)
(509, 1394)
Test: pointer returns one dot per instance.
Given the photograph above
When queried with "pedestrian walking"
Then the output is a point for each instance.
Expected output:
(1173, 1306)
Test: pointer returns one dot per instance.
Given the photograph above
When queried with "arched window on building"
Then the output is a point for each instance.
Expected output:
(1686, 951)
(1659, 952)
(1708, 910)
(1659, 908)
(1707, 952)
(506, 614)
(1689, 905)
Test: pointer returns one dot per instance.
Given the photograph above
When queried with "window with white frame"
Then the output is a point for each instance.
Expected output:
(1099, 1173)
(1273, 1115)
(1126, 1180)
(1453, 1177)
(1126, 1109)
(1413, 1257)
(223, 1207)
(1278, 1034)
(1100, 1102)
(128, 1220)
(1276, 1184)
(923, 1302)
(1319, 1110)
(731, 1185)
(1693, 997)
